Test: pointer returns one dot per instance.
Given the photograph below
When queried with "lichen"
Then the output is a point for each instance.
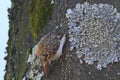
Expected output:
(33, 72)
(94, 32)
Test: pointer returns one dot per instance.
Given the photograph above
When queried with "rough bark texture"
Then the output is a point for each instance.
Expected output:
(68, 67)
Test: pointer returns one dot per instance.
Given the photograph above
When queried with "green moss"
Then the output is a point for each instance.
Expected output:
(21, 67)
(40, 13)
(29, 51)
(22, 64)
(37, 15)
(8, 75)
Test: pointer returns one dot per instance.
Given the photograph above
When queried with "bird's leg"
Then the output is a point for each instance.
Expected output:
(46, 68)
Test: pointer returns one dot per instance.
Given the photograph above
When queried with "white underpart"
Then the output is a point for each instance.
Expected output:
(60, 49)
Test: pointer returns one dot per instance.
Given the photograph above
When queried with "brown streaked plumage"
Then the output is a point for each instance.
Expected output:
(50, 48)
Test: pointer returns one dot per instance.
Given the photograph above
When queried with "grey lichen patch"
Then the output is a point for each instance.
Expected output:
(94, 32)
(32, 72)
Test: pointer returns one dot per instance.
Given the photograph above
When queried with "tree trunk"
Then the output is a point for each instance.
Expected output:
(68, 67)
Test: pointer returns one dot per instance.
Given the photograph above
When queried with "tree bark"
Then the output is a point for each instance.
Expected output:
(68, 67)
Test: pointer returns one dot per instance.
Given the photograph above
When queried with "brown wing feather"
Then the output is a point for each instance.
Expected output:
(49, 44)
(47, 48)
(54, 42)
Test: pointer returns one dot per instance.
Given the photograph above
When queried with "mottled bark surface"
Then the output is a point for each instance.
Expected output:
(68, 67)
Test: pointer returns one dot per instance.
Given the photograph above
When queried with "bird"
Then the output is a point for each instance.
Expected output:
(49, 49)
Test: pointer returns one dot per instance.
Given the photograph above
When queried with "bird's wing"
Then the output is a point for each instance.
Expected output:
(49, 44)
(54, 42)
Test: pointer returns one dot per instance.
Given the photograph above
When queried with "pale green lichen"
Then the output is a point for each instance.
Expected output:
(94, 32)
(33, 72)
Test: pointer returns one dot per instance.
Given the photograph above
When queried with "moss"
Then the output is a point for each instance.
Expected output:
(29, 51)
(8, 74)
(28, 20)
(40, 13)
(20, 67)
